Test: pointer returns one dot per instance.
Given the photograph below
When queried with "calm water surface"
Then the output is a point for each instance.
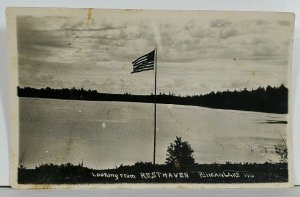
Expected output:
(107, 134)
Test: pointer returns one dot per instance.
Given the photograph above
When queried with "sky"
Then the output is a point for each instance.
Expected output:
(198, 51)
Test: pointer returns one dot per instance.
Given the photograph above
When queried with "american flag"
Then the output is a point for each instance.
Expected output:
(144, 63)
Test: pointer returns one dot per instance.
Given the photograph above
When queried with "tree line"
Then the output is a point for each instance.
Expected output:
(269, 99)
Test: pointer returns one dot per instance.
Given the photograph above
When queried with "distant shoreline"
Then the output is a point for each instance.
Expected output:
(268, 100)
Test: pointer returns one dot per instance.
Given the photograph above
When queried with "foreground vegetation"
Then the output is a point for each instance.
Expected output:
(180, 167)
(149, 173)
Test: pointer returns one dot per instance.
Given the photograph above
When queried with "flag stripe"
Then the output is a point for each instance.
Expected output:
(150, 67)
(137, 64)
(147, 56)
(139, 60)
(142, 69)
(143, 64)
(143, 60)
(136, 71)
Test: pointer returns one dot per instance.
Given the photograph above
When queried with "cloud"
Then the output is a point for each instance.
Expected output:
(227, 33)
(38, 79)
(240, 84)
(220, 23)
(284, 23)
(99, 54)
(260, 22)
(265, 50)
(260, 40)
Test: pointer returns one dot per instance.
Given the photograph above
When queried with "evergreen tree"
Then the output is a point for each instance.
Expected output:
(282, 152)
(180, 155)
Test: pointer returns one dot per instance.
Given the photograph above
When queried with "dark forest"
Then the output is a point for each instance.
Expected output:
(269, 99)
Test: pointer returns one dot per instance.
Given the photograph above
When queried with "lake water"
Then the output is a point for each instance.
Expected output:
(106, 134)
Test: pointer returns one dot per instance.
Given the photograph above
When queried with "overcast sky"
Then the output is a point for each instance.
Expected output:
(198, 52)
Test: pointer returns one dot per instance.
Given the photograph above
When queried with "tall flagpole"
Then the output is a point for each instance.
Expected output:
(155, 73)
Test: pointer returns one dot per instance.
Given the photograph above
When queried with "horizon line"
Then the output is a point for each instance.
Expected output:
(160, 93)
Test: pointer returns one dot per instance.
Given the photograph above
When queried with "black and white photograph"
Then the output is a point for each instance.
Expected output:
(106, 97)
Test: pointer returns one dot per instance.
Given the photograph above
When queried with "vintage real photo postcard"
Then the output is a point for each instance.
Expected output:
(149, 98)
